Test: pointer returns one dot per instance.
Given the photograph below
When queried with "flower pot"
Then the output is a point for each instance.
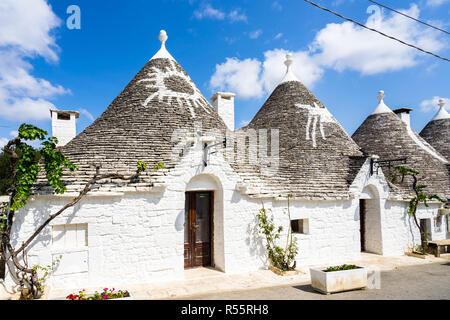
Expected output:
(338, 281)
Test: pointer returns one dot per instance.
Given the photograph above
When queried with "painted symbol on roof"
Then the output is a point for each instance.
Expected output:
(317, 116)
(176, 86)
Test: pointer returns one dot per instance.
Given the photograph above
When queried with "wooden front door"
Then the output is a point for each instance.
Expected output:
(198, 229)
(362, 223)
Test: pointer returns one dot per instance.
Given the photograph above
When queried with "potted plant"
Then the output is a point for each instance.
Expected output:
(106, 294)
(338, 278)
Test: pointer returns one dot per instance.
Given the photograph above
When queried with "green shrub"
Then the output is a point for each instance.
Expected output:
(341, 268)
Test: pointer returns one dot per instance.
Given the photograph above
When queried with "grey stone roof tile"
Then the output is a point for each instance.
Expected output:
(437, 133)
(387, 136)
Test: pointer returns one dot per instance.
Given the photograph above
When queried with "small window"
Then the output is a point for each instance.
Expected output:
(69, 236)
(438, 223)
(63, 116)
(426, 225)
(300, 226)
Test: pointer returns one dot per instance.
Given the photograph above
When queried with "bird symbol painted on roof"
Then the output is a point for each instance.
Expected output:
(172, 83)
(316, 115)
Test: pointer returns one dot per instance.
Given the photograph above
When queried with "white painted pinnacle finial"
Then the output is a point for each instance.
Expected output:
(382, 107)
(163, 37)
(163, 53)
(288, 61)
(289, 74)
(442, 113)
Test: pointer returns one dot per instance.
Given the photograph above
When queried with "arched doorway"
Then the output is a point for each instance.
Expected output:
(370, 220)
(203, 227)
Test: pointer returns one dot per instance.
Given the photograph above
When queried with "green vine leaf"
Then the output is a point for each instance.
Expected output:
(28, 165)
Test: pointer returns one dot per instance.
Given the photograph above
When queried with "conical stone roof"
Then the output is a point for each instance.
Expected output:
(437, 131)
(317, 158)
(384, 134)
(139, 123)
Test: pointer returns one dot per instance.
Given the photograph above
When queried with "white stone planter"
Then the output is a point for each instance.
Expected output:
(338, 281)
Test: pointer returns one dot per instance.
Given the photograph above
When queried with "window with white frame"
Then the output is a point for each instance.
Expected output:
(300, 226)
(70, 236)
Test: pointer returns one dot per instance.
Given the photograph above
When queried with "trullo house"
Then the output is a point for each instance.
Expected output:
(437, 131)
(200, 210)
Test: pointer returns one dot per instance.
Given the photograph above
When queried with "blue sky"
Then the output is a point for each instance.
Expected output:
(237, 46)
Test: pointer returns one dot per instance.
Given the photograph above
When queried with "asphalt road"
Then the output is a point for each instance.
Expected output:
(424, 282)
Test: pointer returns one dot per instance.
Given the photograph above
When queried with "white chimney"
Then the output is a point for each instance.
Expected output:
(223, 103)
(64, 126)
(403, 113)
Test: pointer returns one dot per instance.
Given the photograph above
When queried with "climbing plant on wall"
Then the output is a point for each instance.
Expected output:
(420, 197)
(26, 162)
(281, 257)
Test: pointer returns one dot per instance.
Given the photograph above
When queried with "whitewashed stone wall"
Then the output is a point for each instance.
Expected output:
(131, 239)
(138, 237)
(400, 232)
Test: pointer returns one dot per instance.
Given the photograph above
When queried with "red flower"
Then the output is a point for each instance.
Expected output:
(106, 297)
(105, 289)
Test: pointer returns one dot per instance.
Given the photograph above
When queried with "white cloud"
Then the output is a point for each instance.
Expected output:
(304, 67)
(251, 78)
(255, 34)
(27, 25)
(236, 15)
(340, 47)
(86, 113)
(240, 76)
(278, 36)
(432, 104)
(24, 109)
(436, 3)
(207, 11)
(26, 32)
(347, 46)
(14, 134)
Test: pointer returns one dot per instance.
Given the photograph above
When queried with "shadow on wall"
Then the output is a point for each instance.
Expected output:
(254, 240)
(179, 221)
(405, 220)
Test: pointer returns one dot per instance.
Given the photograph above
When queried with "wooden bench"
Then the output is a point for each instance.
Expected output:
(436, 245)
